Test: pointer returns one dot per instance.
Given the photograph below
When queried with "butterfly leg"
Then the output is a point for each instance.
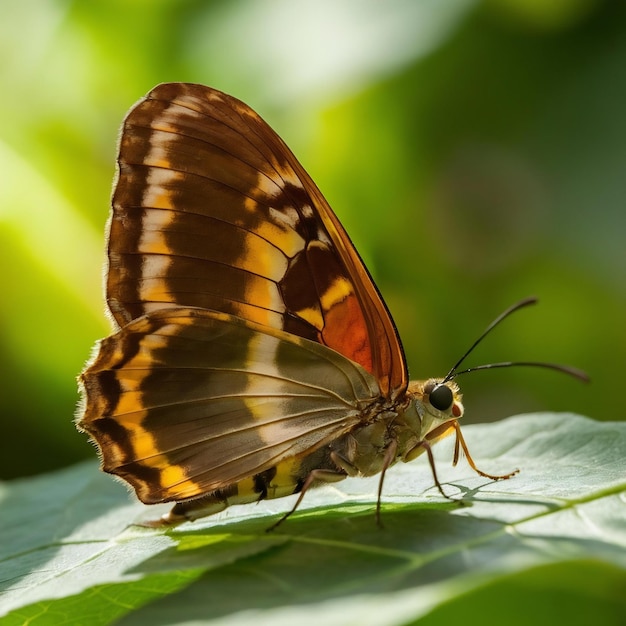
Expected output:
(389, 456)
(419, 448)
(460, 441)
(314, 478)
(388, 459)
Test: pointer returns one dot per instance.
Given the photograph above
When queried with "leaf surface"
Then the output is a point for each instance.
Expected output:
(69, 556)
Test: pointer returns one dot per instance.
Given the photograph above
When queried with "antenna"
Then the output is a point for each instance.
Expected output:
(565, 369)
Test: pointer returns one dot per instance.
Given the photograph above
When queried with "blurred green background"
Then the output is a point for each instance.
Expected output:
(475, 151)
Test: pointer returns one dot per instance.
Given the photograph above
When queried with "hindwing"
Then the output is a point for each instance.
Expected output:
(187, 401)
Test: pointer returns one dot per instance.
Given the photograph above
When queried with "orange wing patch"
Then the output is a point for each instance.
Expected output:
(346, 332)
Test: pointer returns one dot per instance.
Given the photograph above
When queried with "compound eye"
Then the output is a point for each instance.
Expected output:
(441, 397)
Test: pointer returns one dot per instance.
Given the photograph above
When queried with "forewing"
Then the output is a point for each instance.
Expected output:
(185, 401)
(212, 210)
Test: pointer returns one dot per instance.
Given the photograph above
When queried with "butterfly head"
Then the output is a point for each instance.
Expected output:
(436, 405)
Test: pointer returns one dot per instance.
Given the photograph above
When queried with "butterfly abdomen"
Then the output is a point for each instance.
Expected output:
(284, 479)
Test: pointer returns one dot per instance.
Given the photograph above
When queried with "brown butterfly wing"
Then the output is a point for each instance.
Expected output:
(212, 210)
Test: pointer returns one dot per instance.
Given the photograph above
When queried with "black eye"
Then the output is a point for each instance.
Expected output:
(441, 397)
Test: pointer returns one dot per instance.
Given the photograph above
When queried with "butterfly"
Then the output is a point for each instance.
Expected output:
(253, 356)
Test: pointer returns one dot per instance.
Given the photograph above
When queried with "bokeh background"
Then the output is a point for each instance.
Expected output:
(475, 151)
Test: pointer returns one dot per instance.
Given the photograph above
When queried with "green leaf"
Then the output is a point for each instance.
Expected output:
(549, 544)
